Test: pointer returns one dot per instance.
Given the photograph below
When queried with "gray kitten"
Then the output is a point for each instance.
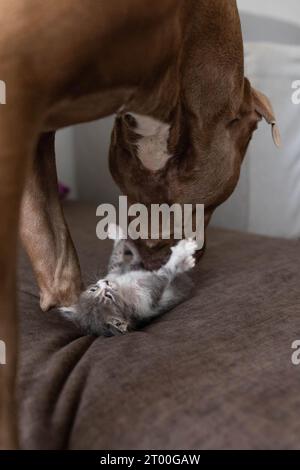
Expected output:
(130, 296)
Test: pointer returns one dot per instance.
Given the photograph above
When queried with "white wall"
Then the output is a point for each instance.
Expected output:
(267, 198)
(91, 148)
(65, 163)
(288, 10)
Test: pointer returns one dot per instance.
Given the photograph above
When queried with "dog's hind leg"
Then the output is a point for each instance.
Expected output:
(45, 234)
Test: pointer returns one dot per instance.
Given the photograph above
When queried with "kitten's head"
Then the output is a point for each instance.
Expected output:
(102, 309)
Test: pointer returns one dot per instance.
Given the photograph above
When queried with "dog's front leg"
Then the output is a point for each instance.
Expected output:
(45, 234)
(17, 141)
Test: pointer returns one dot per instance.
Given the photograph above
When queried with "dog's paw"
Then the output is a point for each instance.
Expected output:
(115, 232)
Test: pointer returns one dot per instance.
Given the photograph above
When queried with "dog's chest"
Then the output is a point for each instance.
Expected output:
(152, 142)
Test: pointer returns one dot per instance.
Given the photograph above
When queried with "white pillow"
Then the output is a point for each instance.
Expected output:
(267, 200)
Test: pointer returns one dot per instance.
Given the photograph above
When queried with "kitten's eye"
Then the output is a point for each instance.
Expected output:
(93, 289)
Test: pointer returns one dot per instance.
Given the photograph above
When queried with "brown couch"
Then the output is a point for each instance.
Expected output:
(215, 372)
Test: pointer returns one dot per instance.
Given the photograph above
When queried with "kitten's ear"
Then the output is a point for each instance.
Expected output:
(117, 326)
(68, 312)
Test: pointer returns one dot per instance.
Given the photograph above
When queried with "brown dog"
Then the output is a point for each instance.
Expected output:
(171, 69)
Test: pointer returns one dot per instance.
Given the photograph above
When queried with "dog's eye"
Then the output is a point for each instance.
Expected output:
(93, 289)
(235, 121)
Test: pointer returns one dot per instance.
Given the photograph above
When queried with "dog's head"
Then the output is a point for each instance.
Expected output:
(195, 158)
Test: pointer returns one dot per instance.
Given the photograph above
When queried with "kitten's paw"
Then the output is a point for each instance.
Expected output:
(115, 232)
(185, 264)
(182, 255)
(188, 263)
(185, 248)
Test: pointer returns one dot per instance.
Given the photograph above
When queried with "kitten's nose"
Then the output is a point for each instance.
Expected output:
(102, 284)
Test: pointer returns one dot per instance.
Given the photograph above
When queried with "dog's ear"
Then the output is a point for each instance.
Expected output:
(264, 108)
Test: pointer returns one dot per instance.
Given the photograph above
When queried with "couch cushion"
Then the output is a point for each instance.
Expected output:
(216, 372)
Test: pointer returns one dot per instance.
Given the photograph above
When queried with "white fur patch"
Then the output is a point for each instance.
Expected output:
(153, 142)
(182, 258)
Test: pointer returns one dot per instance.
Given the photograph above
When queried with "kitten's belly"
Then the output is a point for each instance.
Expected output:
(136, 296)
